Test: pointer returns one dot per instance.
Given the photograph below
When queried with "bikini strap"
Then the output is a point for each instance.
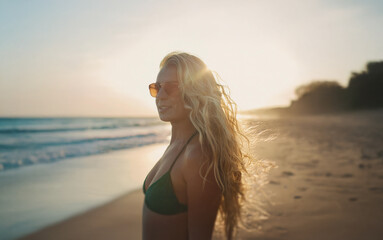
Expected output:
(183, 148)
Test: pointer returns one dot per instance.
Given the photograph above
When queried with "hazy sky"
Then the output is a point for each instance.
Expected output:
(96, 58)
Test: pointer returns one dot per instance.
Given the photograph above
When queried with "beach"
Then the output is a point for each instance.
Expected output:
(44, 194)
(328, 184)
(119, 219)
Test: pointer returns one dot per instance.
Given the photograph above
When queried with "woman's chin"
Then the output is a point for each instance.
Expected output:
(164, 117)
(169, 118)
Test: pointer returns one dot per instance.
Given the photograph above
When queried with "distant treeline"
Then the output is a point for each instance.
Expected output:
(364, 91)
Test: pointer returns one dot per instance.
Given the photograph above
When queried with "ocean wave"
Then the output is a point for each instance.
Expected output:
(28, 141)
(21, 145)
(53, 152)
(84, 128)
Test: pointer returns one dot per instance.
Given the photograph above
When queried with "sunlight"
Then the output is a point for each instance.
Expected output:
(256, 76)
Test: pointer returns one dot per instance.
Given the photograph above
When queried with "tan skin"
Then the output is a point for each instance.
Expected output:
(203, 203)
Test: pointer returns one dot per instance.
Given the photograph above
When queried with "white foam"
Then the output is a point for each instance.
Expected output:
(36, 196)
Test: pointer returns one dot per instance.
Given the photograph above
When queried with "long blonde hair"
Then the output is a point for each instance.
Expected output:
(213, 114)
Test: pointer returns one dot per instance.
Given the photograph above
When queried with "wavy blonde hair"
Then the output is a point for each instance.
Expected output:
(213, 114)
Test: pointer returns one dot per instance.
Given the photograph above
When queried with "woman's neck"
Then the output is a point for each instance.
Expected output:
(182, 130)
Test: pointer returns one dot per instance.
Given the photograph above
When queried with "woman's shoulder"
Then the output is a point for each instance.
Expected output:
(196, 170)
(195, 161)
(194, 156)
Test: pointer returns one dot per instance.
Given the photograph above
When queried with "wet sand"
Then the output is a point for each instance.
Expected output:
(119, 219)
(328, 184)
(45, 194)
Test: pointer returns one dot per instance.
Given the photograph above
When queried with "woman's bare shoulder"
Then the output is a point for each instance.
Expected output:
(203, 193)
(194, 157)
(196, 164)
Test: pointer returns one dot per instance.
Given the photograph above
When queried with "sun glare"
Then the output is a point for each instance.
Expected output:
(256, 76)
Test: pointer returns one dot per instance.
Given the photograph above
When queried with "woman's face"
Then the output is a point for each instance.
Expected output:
(170, 104)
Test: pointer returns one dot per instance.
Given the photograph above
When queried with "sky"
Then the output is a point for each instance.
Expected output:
(96, 58)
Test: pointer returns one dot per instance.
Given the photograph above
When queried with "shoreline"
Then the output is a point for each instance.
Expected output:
(117, 219)
(328, 185)
(41, 195)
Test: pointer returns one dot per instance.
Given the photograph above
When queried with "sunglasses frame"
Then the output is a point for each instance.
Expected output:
(168, 87)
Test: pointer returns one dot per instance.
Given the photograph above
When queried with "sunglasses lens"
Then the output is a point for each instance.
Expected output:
(153, 90)
(169, 88)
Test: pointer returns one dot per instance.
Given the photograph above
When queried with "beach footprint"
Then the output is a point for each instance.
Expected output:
(347, 175)
(274, 182)
(376, 189)
(287, 173)
(280, 229)
(302, 189)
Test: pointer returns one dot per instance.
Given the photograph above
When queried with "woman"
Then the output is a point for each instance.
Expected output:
(199, 175)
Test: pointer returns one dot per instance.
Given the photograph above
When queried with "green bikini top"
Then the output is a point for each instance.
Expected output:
(160, 197)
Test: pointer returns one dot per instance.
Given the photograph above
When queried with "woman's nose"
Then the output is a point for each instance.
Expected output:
(161, 93)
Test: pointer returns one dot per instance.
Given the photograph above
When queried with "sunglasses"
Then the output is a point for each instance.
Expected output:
(168, 87)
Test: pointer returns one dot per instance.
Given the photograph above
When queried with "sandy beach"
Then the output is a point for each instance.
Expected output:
(119, 219)
(328, 184)
(45, 194)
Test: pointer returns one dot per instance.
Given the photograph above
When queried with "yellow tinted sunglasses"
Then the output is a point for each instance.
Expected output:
(168, 87)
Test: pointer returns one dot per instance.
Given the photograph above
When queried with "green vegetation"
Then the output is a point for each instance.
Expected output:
(364, 91)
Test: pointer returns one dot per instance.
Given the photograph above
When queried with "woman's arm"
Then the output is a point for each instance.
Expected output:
(202, 202)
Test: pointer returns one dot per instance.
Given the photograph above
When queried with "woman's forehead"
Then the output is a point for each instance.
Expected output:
(167, 74)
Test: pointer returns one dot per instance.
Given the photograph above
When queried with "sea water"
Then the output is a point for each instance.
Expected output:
(54, 168)
(28, 141)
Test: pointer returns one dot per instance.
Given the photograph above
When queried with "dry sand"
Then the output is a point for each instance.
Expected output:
(328, 185)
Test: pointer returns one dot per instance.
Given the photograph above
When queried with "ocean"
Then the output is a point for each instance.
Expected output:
(54, 168)
(29, 141)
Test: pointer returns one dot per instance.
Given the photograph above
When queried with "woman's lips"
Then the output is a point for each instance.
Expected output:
(163, 108)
